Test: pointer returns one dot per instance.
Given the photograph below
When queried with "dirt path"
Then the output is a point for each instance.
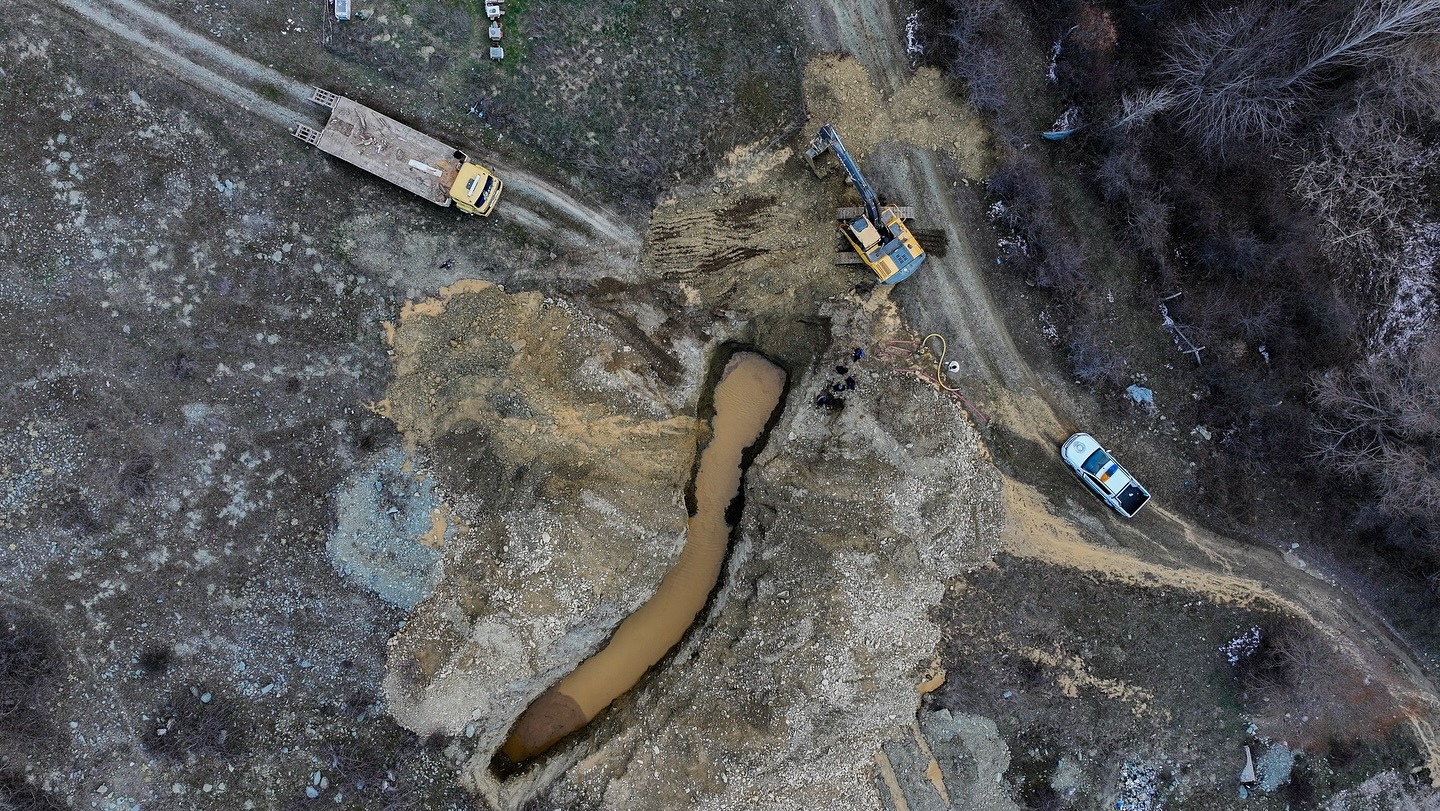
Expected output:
(951, 296)
(531, 202)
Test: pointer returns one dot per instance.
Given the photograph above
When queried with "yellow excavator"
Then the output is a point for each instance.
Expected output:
(878, 233)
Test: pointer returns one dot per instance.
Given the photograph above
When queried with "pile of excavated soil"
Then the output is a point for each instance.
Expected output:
(567, 472)
(925, 111)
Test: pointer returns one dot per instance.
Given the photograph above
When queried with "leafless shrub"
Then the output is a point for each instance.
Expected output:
(195, 723)
(1381, 421)
(984, 58)
(1024, 186)
(1297, 685)
(1226, 310)
(136, 475)
(1147, 226)
(973, 24)
(1362, 181)
(28, 670)
(1125, 173)
(1094, 363)
(402, 774)
(1063, 264)
(18, 795)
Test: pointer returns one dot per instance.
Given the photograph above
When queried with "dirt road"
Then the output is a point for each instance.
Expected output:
(531, 202)
(951, 296)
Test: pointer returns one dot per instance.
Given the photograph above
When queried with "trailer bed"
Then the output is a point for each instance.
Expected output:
(384, 147)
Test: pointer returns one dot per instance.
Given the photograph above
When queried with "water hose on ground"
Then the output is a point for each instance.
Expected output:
(907, 355)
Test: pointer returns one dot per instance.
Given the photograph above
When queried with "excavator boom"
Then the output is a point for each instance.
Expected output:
(829, 139)
(879, 236)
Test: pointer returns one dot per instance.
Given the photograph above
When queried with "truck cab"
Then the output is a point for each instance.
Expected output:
(476, 190)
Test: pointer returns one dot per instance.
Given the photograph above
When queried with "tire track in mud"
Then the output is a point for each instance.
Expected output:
(707, 241)
(194, 74)
(207, 65)
(868, 30)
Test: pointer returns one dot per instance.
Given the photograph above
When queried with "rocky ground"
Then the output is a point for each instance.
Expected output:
(309, 488)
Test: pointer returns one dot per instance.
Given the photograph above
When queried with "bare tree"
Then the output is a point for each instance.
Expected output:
(1243, 75)
(1381, 421)
(1138, 106)
(1230, 75)
(1372, 31)
(1409, 80)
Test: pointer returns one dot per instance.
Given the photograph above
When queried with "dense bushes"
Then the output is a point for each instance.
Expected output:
(1274, 162)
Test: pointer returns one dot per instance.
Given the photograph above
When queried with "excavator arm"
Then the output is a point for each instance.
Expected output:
(880, 238)
(828, 139)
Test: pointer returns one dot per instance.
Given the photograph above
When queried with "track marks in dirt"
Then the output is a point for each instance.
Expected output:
(151, 45)
(708, 241)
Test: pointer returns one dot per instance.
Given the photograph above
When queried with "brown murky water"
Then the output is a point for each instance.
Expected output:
(746, 396)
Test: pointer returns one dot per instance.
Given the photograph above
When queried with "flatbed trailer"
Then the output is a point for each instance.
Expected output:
(402, 155)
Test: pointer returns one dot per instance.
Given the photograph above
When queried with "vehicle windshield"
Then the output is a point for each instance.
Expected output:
(1097, 462)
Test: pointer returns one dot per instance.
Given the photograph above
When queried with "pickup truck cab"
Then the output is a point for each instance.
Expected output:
(1099, 471)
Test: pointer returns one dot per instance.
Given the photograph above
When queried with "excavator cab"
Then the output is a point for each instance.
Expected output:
(862, 234)
(879, 236)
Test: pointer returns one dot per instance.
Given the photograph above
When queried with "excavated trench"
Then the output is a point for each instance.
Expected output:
(745, 402)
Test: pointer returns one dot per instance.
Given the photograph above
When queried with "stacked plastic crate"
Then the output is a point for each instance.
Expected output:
(494, 10)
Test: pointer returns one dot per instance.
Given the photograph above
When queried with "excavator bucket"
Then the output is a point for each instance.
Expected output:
(818, 146)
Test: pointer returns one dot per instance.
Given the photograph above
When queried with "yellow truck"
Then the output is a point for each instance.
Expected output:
(402, 155)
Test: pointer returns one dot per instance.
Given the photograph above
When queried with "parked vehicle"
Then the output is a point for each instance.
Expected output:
(1103, 475)
(402, 155)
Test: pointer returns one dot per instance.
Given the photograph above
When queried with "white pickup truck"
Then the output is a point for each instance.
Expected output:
(1103, 475)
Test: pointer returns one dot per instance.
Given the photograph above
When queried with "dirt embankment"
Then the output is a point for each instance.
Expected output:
(552, 438)
(807, 659)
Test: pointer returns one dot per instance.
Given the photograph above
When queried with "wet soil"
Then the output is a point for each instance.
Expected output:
(744, 401)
